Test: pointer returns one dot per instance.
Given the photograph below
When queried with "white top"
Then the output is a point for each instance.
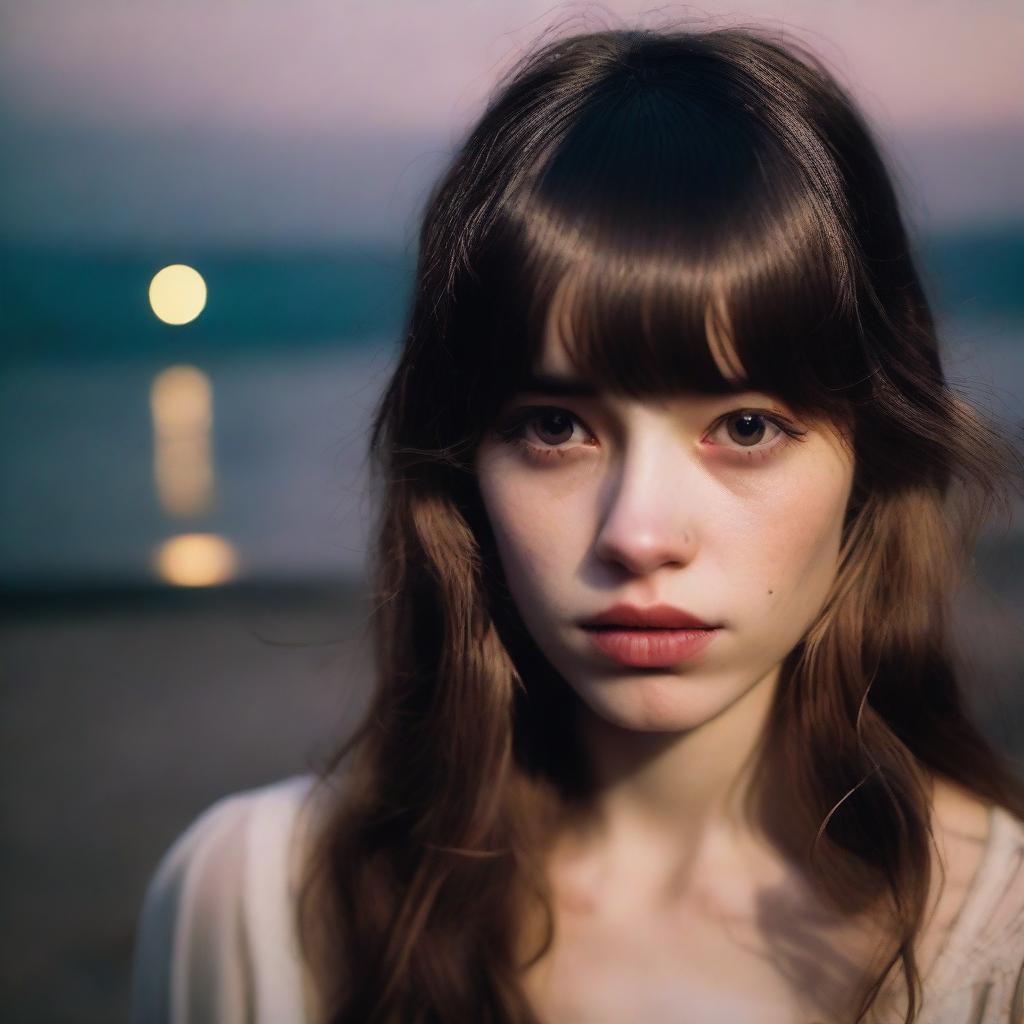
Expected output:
(217, 941)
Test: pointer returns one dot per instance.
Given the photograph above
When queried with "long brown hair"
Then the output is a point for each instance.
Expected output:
(670, 173)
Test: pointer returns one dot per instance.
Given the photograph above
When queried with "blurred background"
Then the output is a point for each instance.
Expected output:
(207, 233)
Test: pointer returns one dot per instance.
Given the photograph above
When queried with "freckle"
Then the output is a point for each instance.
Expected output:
(771, 591)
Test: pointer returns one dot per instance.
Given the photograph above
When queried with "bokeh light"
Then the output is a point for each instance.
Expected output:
(177, 294)
(181, 403)
(196, 560)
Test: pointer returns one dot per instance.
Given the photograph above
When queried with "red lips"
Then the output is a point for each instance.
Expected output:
(658, 616)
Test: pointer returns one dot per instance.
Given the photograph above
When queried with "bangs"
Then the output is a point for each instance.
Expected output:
(671, 243)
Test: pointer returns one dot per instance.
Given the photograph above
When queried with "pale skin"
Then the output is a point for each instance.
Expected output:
(670, 904)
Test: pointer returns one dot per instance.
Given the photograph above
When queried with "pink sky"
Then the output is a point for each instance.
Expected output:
(311, 72)
(306, 64)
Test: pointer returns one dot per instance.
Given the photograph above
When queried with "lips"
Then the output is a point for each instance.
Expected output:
(658, 616)
(659, 636)
(656, 648)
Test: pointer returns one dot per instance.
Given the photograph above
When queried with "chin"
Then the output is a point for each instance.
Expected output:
(653, 704)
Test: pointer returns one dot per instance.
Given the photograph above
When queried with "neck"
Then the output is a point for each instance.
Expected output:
(681, 787)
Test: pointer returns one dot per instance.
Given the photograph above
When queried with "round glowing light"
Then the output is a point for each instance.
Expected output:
(196, 560)
(177, 294)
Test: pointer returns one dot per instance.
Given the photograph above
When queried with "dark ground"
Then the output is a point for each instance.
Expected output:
(124, 715)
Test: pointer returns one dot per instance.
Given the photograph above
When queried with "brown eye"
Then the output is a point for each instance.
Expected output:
(747, 428)
(549, 425)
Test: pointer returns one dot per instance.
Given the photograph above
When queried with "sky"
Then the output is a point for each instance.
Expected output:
(131, 121)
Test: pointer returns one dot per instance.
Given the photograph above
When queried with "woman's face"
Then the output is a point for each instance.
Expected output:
(702, 503)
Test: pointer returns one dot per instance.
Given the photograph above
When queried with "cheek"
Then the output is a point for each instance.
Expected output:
(793, 533)
(534, 529)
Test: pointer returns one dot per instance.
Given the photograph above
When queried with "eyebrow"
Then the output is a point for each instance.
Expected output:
(549, 384)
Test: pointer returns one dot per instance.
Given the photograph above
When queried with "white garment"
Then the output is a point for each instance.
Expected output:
(978, 977)
(217, 942)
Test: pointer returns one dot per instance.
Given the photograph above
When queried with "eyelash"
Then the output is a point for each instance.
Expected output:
(514, 433)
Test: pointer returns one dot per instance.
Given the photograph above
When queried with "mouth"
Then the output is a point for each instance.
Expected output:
(600, 628)
(653, 617)
(650, 647)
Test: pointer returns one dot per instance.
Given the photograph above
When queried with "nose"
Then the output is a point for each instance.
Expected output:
(649, 512)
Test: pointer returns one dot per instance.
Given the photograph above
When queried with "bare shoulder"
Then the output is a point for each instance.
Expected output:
(961, 824)
(959, 815)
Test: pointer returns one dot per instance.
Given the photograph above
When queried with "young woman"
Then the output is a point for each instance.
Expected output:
(673, 499)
